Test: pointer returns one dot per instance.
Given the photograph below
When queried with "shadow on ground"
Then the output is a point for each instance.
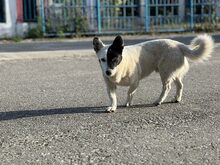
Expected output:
(48, 112)
(11, 115)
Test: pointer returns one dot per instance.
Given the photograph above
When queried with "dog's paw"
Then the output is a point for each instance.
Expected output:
(127, 104)
(157, 103)
(110, 109)
(175, 101)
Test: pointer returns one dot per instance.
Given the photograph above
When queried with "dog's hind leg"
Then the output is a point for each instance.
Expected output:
(131, 92)
(179, 89)
(165, 91)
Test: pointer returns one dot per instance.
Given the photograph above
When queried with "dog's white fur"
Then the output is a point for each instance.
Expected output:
(168, 57)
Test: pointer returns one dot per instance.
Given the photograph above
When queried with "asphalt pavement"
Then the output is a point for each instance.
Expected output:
(86, 43)
(52, 111)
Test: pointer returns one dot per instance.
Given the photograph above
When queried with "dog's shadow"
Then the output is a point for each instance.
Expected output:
(48, 112)
(11, 115)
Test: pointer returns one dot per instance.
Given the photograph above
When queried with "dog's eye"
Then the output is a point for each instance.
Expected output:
(103, 60)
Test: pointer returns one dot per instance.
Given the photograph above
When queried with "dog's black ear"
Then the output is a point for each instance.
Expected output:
(97, 44)
(118, 43)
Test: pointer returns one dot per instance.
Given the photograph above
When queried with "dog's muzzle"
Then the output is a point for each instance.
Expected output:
(108, 73)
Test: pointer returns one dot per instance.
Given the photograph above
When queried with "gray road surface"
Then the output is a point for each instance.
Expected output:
(85, 43)
(52, 112)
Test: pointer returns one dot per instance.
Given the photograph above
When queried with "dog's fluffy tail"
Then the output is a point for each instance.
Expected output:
(200, 48)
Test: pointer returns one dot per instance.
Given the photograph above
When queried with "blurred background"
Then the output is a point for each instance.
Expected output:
(38, 18)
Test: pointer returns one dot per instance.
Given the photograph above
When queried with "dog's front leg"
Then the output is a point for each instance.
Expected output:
(111, 89)
(130, 94)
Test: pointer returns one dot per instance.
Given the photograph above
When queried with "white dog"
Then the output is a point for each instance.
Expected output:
(127, 65)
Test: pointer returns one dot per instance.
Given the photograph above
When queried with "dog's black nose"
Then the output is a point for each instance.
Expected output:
(108, 73)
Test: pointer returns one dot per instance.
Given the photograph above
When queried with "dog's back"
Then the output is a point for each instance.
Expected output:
(149, 55)
(168, 54)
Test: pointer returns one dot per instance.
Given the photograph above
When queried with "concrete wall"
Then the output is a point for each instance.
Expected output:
(7, 29)
(11, 27)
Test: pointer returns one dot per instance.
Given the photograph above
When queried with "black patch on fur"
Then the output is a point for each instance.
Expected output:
(114, 53)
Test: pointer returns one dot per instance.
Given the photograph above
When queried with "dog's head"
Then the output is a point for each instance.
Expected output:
(109, 56)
